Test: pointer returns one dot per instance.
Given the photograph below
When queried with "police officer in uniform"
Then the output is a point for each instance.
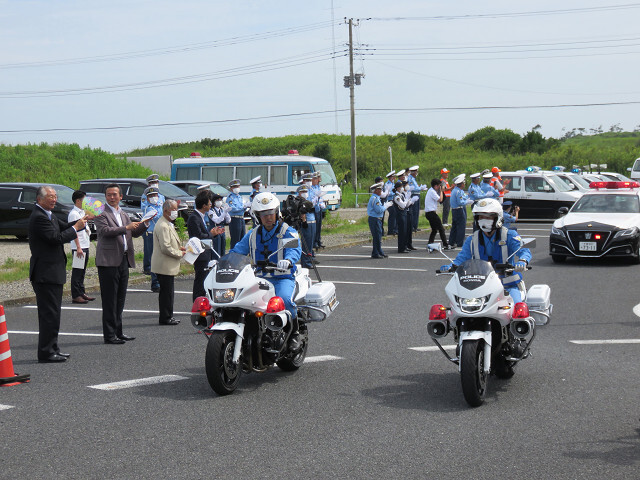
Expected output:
(153, 201)
(219, 217)
(237, 204)
(375, 211)
(389, 185)
(318, 208)
(414, 211)
(459, 202)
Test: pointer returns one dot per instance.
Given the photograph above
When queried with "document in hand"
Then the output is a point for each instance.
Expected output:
(149, 215)
(194, 249)
(78, 262)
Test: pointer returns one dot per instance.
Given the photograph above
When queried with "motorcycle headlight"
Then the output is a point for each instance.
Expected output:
(224, 295)
(557, 231)
(626, 233)
(471, 305)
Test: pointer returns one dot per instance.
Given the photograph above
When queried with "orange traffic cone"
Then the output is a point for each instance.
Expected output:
(8, 377)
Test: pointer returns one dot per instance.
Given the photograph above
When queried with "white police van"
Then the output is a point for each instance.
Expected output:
(280, 174)
(539, 194)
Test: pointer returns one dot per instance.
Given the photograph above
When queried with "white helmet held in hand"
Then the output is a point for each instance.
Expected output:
(265, 202)
(488, 207)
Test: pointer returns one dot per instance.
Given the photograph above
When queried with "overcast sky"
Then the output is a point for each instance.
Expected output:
(267, 68)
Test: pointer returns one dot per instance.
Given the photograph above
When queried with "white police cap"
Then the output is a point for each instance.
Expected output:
(399, 173)
(375, 185)
(390, 174)
(153, 178)
(257, 179)
(459, 179)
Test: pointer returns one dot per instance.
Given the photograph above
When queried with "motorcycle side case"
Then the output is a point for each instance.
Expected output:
(321, 295)
(539, 298)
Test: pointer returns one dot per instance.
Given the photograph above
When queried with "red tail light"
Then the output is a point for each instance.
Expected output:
(438, 312)
(275, 305)
(201, 304)
(520, 310)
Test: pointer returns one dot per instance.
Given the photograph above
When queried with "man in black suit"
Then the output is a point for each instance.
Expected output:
(200, 226)
(114, 257)
(47, 270)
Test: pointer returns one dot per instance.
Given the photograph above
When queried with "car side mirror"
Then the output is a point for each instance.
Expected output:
(563, 211)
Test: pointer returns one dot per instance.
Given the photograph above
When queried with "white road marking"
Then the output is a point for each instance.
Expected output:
(321, 358)
(374, 268)
(5, 407)
(433, 348)
(91, 309)
(390, 256)
(138, 382)
(348, 283)
(602, 342)
(60, 333)
(636, 310)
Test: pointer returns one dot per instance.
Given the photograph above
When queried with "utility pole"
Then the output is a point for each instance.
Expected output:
(350, 82)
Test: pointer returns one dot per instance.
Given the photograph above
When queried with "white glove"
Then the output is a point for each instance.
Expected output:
(246, 203)
(321, 194)
(387, 204)
(283, 265)
(521, 266)
(489, 194)
(212, 263)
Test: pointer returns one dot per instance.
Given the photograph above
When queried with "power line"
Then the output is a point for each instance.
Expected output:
(511, 14)
(321, 112)
(171, 50)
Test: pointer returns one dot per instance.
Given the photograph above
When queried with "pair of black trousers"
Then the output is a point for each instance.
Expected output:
(165, 297)
(401, 222)
(113, 291)
(49, 301)
(77, 275)
(436, 227)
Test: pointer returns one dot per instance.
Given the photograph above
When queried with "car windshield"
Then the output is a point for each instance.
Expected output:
(607, 203)
(579, 179)
(328, 177)
(169, 190)
(559, 185)
(64, 194)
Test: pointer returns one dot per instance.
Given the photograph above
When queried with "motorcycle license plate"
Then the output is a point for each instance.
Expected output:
(588, 246)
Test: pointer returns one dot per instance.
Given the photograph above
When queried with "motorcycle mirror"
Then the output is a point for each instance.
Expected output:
(434, 247)
(291, 243)
(208, 244)
(529, 242)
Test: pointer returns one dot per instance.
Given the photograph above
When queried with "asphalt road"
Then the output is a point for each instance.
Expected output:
(365, 405)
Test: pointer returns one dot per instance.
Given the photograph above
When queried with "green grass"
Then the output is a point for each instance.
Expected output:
(12, 270)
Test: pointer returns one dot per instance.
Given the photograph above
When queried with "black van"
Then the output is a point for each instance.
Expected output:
(17, 201)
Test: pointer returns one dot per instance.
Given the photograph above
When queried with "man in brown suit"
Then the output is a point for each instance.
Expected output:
(114, 257)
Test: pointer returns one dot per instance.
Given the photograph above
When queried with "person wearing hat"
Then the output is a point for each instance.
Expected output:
(400, 205)
(433, 197)
(319, 207)
(375, 211)
(256, 183)
(401, 175)
(408, 224)
(153, 201)
(486, 186)
(308, 229)
(509, 215)
(219, 216)
(446, 196)
(415, 194)
(389, 185)
(234, 200)
(496, 182)
(475, 191)
(459, 202)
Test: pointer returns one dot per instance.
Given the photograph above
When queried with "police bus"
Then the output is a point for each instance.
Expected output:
(280, 173)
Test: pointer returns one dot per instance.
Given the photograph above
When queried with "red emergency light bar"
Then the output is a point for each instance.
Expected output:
(613, 185)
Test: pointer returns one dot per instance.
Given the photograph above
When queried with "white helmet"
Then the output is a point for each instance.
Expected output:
(264, 202)
(490, 207)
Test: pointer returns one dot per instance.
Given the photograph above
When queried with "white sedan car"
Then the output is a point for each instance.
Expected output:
(604, 222)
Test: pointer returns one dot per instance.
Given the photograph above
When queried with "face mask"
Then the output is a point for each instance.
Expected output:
(235, 190)
(218, 203)
(400, 190)
(153, 200)
(485, 225)
(308, 184)
(173, 215)
(304, 195)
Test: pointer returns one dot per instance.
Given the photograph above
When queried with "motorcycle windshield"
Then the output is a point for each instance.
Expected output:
(230, 266)
(473, 273)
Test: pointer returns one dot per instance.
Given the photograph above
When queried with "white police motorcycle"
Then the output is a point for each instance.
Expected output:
(247, 325)
(491, 331)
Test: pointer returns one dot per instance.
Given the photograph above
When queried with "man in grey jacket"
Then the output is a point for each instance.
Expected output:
(114, 256)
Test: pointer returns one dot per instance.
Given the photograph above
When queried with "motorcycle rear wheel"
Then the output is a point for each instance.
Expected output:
(223, 375)
(295, 362)
(472, 376)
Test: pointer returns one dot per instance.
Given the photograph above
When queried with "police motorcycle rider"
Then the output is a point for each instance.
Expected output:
(494, 243)
(267, 238)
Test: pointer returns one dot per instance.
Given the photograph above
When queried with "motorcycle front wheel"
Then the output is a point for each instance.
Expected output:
(472, 375)
(223, 375)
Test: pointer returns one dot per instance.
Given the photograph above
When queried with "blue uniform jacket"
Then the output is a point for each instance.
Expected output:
(413, 183)
(313, 198)
(236, 203)
(486, 188)
(459, 198)
(270, 240)
(492, 248)
(374, 207)
(508, 219)
(146, 206)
